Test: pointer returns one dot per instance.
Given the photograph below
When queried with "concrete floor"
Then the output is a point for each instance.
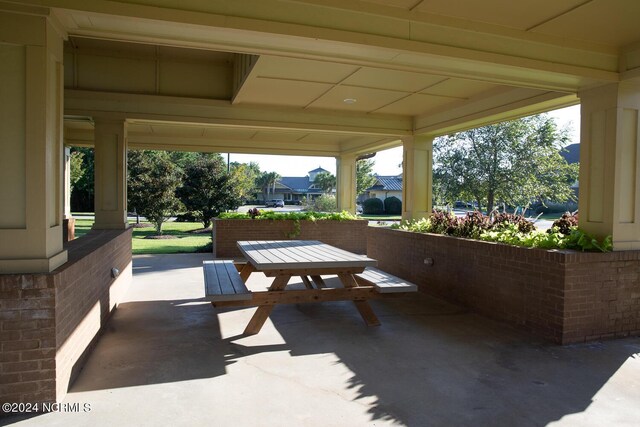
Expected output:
(168, 358)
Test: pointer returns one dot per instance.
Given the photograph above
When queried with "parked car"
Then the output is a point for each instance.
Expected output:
(275, 203)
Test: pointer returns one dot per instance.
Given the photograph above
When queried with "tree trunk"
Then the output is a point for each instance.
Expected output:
(490, 201)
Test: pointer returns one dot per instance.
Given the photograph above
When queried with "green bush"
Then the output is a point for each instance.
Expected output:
(509, 229)
(325, 203)
(392, 206)
(299, 216)
(373, 206)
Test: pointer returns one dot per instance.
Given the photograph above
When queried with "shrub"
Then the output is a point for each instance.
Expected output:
(510, 229)
(373, 206)
(504, 219)
(392, 206)
(187, 217)
(564, 224)
(326, 203)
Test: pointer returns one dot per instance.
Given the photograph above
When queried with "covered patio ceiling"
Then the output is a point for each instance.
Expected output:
(325, 77)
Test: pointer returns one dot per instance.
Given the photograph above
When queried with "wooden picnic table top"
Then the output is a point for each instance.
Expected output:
(300, 254)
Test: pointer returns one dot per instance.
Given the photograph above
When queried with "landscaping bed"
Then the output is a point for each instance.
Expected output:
(340, 230)
(565, 296)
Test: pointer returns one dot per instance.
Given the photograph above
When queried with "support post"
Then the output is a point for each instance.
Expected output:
(110, 174)
(346, 183)
(31, 153)
(609, 201)
(417, 179)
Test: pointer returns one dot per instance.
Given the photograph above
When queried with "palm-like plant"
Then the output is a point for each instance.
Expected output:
(325, 181)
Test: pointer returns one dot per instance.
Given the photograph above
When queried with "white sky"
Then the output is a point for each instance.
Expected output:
(386, 162)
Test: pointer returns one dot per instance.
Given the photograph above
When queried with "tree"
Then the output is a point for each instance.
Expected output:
(513, 162)
(266, 181)
(364, 175)
(208, 189)
(243, 177)
(151, 185)
(82, 179)
(325, 181)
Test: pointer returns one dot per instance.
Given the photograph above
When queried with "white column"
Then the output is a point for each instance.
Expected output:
(110, 173)
(609, 199)
(417, 158)
(346, 183)
(31, 153)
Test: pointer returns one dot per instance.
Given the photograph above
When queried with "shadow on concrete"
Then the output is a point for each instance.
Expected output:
(431, 363)
(153, 342)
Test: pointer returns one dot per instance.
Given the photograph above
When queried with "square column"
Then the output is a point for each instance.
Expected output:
(31, 153)
(346, 183)
(417, 177)
(609, 199)
(110, 174)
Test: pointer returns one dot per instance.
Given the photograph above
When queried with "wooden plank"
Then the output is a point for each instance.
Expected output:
(302, 296)
(211, 286)
(307, 282)
(262, 313)
(277, 255)
(313, 271)
(222, 282)
(318, 281)
(246, 272)
(385, 282)
(363, 307)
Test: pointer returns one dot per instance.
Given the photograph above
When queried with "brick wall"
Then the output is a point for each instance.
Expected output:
(48, 321)
(563, 296)
(86, 294)
(27, 333)
(347, 235)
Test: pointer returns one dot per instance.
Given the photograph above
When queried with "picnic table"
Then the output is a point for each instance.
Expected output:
(307, 259)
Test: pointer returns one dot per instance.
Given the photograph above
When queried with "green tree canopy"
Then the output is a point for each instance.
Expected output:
(266, 182)
(151, 185)
(364, 175)
(208, 189)
(82, 179)
(243, 177)
(325, 181)
(513, 162)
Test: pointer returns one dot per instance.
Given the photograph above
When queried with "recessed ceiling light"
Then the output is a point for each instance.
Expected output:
(349, 100)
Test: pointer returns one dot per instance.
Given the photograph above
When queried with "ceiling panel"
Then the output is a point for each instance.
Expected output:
(415, 104)
(177, 130)
(321, 138)
(290, 93)
(366, 99)
(458, 88)
(389, 79)
(594, 22)
(404, 4)
(302, 69)
(228, 133)
(509, 13)
(275, 136)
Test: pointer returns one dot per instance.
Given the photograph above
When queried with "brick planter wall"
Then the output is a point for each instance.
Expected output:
(562, 296)
(348, 235)
(49, 322)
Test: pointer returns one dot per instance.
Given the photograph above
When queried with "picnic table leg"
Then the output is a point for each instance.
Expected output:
(319, 282)
(246, 271)
(363, 307)
(262, 313)
(307, 282)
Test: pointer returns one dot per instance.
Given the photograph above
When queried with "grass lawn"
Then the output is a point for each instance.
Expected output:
(184, 243)
(381, 217)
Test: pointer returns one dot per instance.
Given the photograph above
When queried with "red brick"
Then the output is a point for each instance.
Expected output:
(20, 366)
(20, 345)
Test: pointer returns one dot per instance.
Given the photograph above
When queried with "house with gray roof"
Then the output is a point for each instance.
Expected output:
(385, 186)
(298, 188)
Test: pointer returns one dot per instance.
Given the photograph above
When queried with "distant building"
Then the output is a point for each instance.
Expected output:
(385, 186)
(298, 188)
